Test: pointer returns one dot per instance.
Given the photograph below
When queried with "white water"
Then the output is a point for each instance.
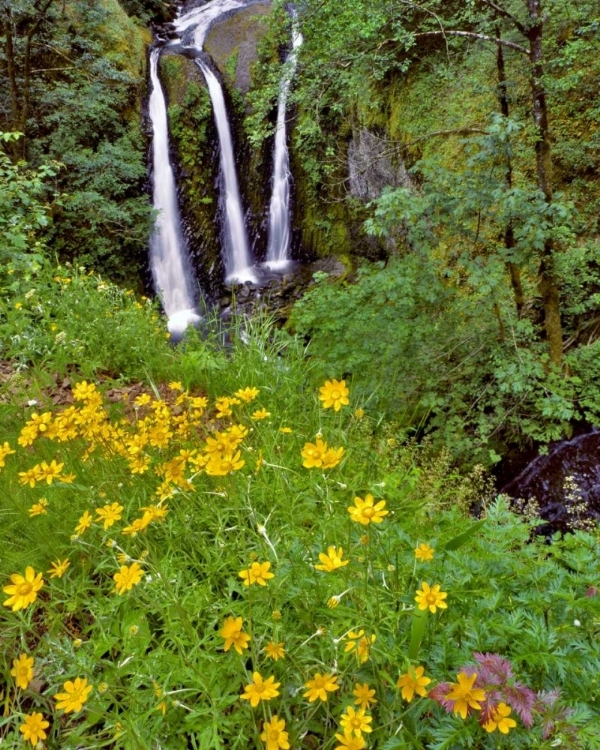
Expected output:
(199, 20)
(278, 249)
(237, 258)
(169, 258)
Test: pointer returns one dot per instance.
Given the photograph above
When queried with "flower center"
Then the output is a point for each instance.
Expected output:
(355, 723)
(25, 589)
(274, 735)
(431, 598)
(260, 688)
(335, 395)
(369, 512)
(319, 683)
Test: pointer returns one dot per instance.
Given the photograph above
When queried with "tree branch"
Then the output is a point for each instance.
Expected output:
(506, 14)
(473, 35)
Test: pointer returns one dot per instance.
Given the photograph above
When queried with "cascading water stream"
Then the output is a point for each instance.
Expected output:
(278, 249)
(193, 27)
(237, 257)
(169, 259)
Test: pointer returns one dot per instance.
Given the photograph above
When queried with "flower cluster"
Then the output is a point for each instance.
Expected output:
(180, 452)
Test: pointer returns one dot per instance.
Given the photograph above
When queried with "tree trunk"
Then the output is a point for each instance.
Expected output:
(547, 284)
(19, 75)
(11, 69)
(509, 237)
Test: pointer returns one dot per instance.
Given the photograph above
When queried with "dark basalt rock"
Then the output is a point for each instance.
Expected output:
(564, 483)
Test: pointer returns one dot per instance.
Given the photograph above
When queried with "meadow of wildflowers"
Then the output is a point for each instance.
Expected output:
(237, 557)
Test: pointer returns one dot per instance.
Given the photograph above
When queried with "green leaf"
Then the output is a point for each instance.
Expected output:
(417, 631)
(459, 540)
(394, 743)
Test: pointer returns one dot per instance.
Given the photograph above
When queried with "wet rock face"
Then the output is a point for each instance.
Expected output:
(371, 166)
(565, 484)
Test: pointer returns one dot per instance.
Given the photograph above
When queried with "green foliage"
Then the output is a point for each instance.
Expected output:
(24, 211)
(88, 64)
(57, 319)
(443, 361)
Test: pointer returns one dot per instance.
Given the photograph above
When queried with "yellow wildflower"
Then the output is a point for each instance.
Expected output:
(247, 394)
(49, 472)
(175, 385)
(332, 560)
(27, 436)
(274, 650)
(431, 598)
(75, 695)
(312, 453)
(424, 552)
(234, 635)
(221, 444)
(29, 477)
(220, 466)
(5, 450)
(33, 728)
(285, 430)
(22, 671)
(140, 524)
(359, 413)
(464, 695)
(273, 734)
(356, 722)
(84, 391)
(367, 511)
(413, 682)
(23, 590)
(332, 457)
(38, 508)
(260, 690)
(58, 568)
(364, 695)
(361, 643)
(261, 414)
(334, 394)
(223, 407)
(320, 685)
(500, 720)
(128, 577)
(319, 455)
(256, 573)
(109, 514)
(350, 742)
(84, 522)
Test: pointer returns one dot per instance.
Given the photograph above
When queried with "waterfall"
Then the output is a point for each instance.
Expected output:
(169, 259)
(278, 249)
(237, 256)
(194, 25)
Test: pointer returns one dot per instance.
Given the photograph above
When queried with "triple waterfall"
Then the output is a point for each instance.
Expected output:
(170, 262)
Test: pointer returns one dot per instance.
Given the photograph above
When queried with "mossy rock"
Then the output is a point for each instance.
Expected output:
(233, 43)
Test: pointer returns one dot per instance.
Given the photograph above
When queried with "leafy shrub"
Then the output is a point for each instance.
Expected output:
(474, 378)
